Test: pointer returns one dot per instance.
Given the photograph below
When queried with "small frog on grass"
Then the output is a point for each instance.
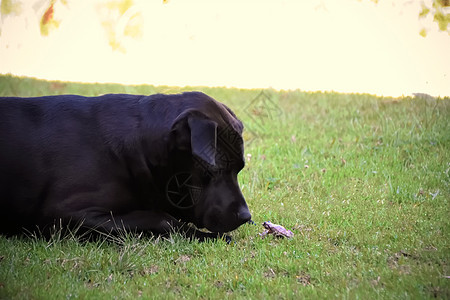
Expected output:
(276, 230)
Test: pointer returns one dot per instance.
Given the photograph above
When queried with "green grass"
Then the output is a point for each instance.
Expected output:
(362, 181)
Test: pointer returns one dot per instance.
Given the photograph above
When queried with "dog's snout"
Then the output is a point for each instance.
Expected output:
(244, 215)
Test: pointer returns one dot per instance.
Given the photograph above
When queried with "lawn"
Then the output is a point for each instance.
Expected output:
(362, 181)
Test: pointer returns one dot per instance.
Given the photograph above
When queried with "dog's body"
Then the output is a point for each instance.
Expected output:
(145, 163)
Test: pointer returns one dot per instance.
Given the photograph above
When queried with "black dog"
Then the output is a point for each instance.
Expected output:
(141, 163)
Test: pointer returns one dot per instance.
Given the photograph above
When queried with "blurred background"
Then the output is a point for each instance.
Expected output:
(384, 47)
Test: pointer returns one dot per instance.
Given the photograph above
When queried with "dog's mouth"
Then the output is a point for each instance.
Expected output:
(220, 228)
(205, 230)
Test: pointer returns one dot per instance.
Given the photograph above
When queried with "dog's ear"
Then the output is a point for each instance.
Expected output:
(203, 139)
(198, 134)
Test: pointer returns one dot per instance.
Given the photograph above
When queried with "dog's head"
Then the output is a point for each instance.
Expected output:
(208, 148)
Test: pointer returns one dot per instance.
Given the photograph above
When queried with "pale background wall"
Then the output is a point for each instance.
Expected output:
(340, 45)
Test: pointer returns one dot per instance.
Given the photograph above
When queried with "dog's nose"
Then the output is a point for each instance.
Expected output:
(244, 215)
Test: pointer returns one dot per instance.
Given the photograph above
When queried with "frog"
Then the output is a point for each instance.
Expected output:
(276, 230)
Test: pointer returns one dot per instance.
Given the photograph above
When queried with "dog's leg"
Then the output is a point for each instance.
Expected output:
(147, 221)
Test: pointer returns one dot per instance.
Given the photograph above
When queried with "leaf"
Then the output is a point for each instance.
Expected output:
(424, 12)
(134, 26)
(423, 32)
(9, 7)
(47, 21)
(48, 15)
(121, 5)
(121, 18)
(442, 20)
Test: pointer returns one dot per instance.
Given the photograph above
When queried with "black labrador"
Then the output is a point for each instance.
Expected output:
(149, 164)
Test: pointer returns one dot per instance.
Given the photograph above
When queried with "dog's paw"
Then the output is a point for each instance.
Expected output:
(227, 239)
